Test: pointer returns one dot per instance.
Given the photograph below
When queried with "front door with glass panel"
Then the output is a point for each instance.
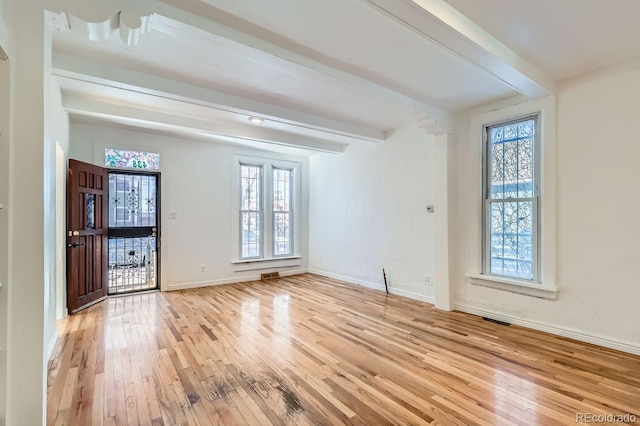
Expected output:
(133, 232)
(87, 236)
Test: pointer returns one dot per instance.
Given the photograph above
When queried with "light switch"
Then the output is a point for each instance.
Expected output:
(430, 208)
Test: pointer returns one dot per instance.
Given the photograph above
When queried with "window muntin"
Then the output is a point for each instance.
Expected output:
(511, 199)
(250, 211)
(282, 212)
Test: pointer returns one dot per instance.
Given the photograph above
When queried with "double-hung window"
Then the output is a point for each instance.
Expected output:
(266, 208)
(251, 235)
(282, 212)
(512, 199)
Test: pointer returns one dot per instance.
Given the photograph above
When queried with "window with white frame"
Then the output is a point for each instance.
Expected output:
(266, 207)
(282, 212)
(512, 199)
(251, 235)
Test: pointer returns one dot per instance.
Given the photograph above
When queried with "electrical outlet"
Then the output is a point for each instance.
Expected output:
(173, 215)
(427, 280)
(201, 268)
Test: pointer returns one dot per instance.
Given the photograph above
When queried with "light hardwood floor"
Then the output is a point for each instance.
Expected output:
(310, 350)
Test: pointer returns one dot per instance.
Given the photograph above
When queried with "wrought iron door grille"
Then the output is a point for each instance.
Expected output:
(133, 261)
(132, 264)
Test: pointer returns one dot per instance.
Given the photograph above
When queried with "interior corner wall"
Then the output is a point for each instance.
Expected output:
(56, 140)
(597, 210)
(4, 227)
(369, 212)
(60, 135)
(196, 184)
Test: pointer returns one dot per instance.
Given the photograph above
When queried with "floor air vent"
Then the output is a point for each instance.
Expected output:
(495, 321)
(269, 276)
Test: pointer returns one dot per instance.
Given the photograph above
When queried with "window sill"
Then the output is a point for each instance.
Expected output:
(514, 286)
(275, 262)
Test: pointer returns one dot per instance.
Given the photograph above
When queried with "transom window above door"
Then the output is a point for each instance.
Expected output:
(126, 159)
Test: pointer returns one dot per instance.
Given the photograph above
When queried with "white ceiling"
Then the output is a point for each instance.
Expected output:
(161, 129)
(221, 64)
(323, 73)
(365, 42)
(565, 38)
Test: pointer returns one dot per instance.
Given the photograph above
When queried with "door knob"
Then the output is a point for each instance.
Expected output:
(75, 245)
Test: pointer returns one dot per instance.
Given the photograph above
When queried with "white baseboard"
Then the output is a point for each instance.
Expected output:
(51, 344)
(234, 280)
(380, 287)
(411, 295)
(347, 279)
(552, 329)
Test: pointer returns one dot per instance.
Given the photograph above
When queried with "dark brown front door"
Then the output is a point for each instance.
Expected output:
(87, 234)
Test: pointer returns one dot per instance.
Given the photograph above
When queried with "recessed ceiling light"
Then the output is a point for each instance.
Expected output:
(256, 120)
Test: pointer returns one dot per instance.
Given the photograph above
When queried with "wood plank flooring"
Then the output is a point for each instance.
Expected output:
(310, 350)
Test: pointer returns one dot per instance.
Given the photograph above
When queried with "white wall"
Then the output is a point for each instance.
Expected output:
(369, 211)
(30, 233)
(61, 226)
(5, 11)
(196, 183)
(59, 126)
(5, 162)
(597, 210)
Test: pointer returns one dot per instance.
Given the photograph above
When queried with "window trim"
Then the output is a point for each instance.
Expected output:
(500, 282)
(267, 226)
(487, 200)
(546, 108)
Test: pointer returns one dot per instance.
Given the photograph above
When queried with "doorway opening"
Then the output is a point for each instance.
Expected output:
(133, 232)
